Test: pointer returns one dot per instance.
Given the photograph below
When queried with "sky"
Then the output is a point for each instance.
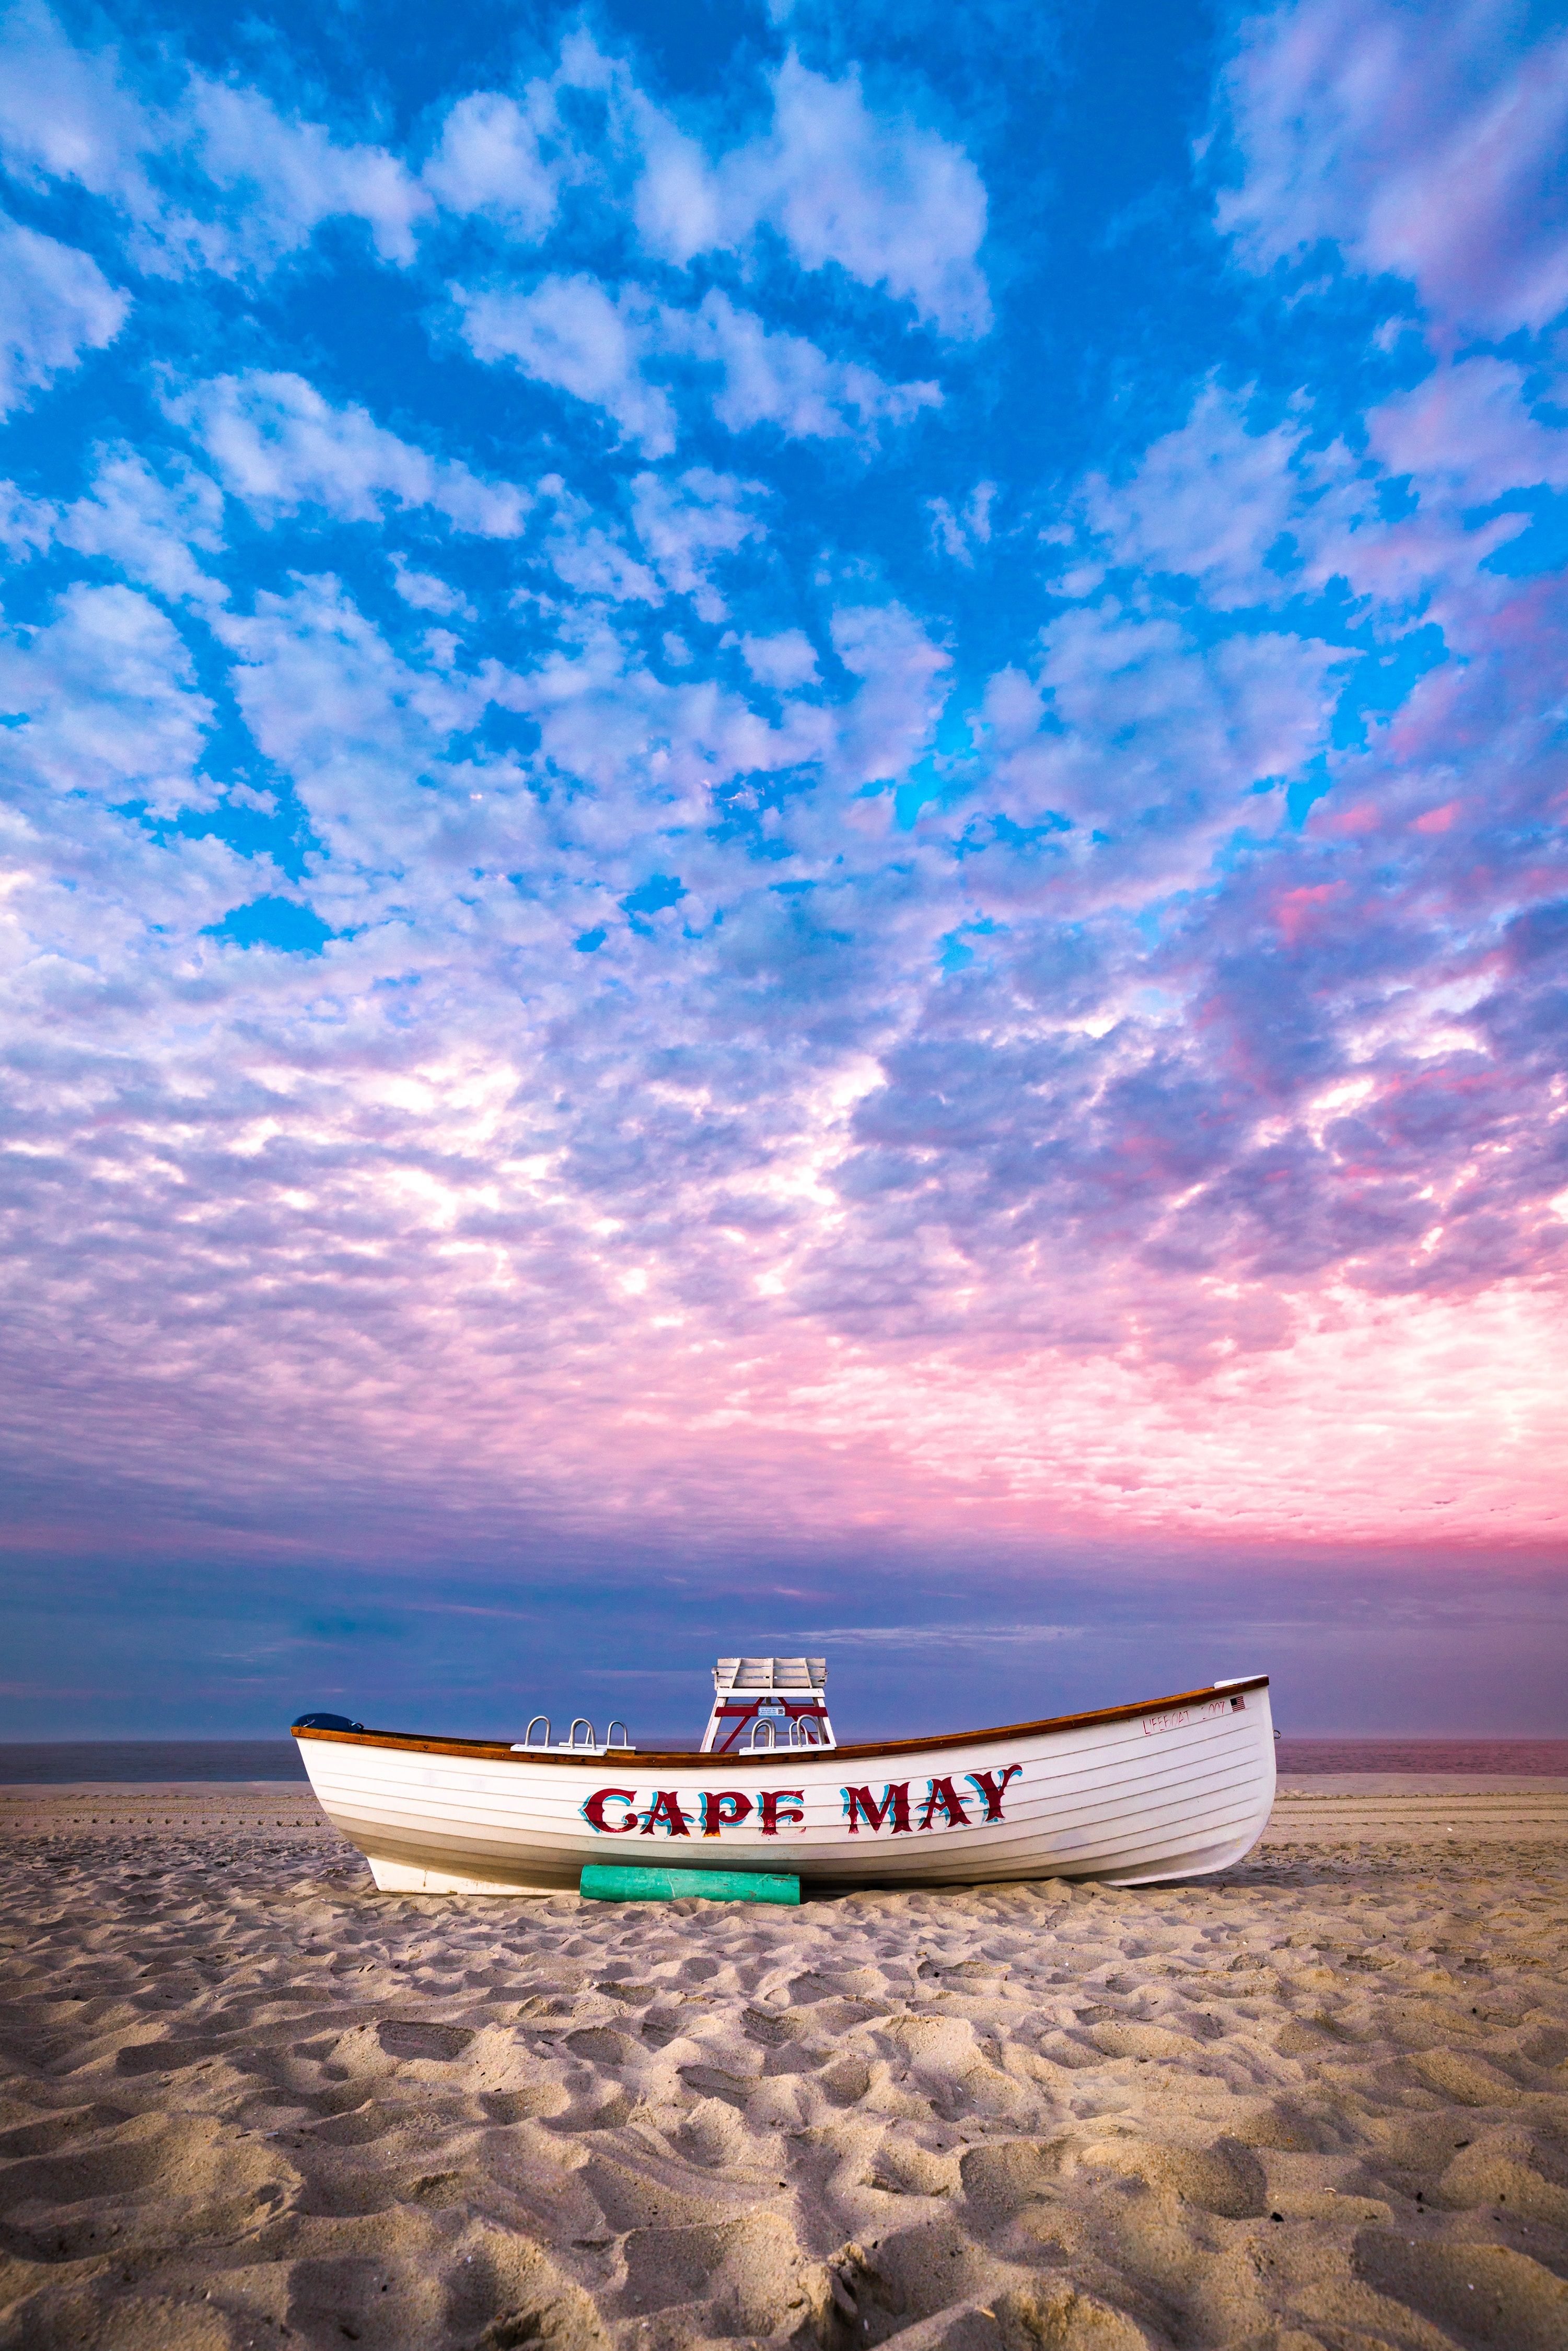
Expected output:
(783, 859)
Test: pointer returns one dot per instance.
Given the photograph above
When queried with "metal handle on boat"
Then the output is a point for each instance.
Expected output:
(757, 1728)
(528, 1733)
(581, 1722)
(610, 1738)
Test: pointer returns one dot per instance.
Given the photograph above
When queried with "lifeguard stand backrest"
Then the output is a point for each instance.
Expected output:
(785, 1691)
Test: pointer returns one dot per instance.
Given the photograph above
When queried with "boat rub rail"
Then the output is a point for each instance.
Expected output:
(500, 1751)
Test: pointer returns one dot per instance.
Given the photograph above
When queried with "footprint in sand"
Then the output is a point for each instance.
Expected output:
(748, 2276)
(434, 2043)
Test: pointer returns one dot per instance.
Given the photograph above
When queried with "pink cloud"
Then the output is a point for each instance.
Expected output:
(1426, 141)
(1466, 433)
(1295, 909)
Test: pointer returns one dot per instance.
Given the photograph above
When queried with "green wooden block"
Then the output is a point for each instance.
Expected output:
(611, 1884)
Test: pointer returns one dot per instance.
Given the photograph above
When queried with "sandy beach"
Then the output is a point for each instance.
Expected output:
(1319, 2105)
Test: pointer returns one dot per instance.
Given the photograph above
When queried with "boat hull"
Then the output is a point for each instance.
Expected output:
(1178, 1788)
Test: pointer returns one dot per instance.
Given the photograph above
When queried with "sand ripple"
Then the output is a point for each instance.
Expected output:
(1322, 2106)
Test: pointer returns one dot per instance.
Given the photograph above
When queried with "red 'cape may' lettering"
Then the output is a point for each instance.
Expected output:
(993, 1789)
(859, 1804)
(715, 1816)
(942, 1799)
(943, 1792)
(780, 1808)
(593, 1810)
(666, 1807)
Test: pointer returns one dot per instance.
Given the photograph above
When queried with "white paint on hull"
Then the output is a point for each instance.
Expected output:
(1178, 1791)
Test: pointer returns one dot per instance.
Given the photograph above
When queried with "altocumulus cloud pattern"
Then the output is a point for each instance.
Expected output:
(800, 770)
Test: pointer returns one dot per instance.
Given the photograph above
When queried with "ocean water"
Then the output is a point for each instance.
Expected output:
(57, 1762)
(1523, 1759)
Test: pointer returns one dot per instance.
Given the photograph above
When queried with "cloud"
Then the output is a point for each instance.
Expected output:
(1160, 736)
(901, 673)
(787, 659)
(689, 523)
(304, 176)
(875, 194)
(1426, 143)
(773, 378)
(590, 556)
(153, 531)
(1468, 432)
(357, 729)
(428, 593)
(214, 177)
(67, 116)
(490, 159)
(678, 202)
(571, 334)
(892, 203)
(26, 524)
(958, 533)
(55, 305)
(1209, 501)
(1255, 515)
(653, 754)
(101, 700)
(279, 446)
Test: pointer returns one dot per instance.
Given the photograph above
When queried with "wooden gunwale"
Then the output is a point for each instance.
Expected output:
(495, 1751)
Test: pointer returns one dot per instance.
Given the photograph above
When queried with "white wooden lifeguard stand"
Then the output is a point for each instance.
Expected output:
(760, 1703)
